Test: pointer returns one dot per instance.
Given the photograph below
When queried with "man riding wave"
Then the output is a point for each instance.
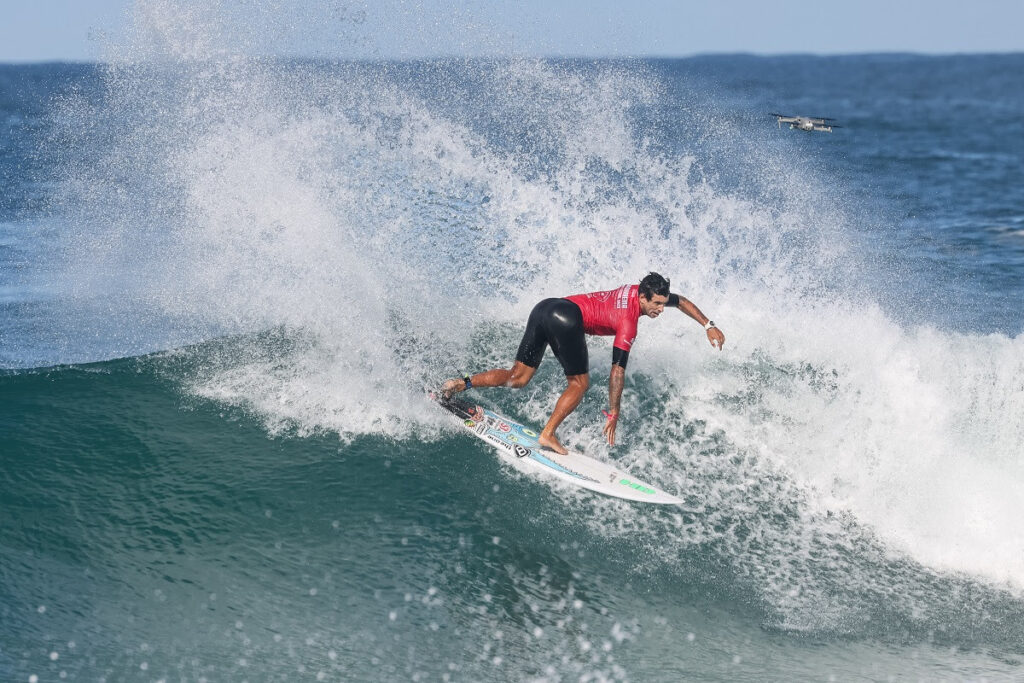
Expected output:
(563, 325)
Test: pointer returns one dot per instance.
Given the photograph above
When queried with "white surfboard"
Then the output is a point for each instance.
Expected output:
(518, 445)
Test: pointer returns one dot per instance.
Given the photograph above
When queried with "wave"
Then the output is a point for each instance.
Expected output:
(760, 539)
(360, 231)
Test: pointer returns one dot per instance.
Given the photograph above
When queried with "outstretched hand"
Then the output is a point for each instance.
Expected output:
(716, 337)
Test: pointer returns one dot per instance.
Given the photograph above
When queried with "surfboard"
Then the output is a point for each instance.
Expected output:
(517, 444)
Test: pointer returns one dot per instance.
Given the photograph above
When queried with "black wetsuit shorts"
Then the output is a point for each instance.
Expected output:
(557, 323)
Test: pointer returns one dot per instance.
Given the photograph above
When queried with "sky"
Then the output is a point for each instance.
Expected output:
(78, 30)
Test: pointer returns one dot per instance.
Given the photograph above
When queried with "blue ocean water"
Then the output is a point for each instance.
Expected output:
(224, 283)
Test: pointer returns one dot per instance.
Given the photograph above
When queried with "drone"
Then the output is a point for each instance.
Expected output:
(807, 123)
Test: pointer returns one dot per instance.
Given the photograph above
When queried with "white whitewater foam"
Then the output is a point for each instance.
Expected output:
(402, 241)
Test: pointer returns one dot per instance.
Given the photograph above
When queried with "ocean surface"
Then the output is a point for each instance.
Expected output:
(225, 283)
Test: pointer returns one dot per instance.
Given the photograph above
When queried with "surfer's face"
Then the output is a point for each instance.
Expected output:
(654, 306)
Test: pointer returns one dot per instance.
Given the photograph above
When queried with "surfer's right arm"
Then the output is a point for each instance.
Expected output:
(616, 380)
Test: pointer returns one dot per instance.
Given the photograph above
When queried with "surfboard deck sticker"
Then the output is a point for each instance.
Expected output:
(517, 444)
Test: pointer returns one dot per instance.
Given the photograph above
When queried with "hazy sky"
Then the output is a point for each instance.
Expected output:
(84, 29)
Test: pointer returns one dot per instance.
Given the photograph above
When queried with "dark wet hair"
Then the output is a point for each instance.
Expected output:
(653, 284)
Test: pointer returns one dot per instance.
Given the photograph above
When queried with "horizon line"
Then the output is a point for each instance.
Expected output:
(558, 57)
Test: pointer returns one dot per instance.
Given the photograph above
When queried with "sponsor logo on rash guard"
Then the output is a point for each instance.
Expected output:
(622, 297)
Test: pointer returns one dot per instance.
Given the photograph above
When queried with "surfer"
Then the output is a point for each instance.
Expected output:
(563, 323)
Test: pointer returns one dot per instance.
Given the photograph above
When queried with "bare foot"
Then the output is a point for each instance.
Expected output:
(452, 386)
(552, 443)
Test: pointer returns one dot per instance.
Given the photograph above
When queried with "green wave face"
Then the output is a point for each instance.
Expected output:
(144, 503)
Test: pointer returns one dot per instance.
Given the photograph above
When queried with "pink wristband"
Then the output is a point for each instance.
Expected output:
(611, 416)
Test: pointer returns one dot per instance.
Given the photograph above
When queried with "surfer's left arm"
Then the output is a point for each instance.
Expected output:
(715, 335)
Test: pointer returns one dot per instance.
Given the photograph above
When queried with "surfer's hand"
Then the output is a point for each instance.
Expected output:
(716, 337)
(609, 431)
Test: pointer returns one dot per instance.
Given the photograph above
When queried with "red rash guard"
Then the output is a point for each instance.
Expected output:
(613, 312)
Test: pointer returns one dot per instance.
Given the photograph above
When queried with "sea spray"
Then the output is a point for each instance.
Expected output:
(394, 236)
